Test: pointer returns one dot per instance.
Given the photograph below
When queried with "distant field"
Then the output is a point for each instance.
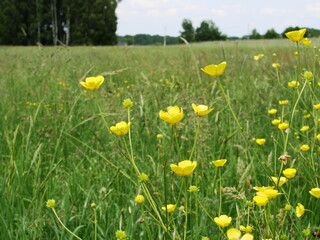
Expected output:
(55, 145)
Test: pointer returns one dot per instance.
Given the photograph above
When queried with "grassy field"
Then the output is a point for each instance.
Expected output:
(56, 145)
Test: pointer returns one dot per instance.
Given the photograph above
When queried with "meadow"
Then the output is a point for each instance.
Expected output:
(56, 143)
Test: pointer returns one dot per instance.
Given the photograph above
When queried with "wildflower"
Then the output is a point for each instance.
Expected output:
(184, 168)
(233, 234)
(173, 115)
(276, 65)
(284, 102)
(296, 53)
(276, 121)
(247, 229)
(51, 203)
(223, 221)
(139, 199)
(181, 209)
(317, 106)
(261, 189)
(121, 235)
(193, 189)
(201, 110)
(121, 128)
(143, 177)
(304, 128)
(258, 57)
(279, 181)
(93, 205)
(269, 193)
(260, 141)
(308, 75)
(159, 136)
(290, 172)
(287, 207)
(293, 84)
(127, 103)
(214, 70)
(274, 54)
(306, 116)
(296, 36)
(205, 238)
(219, 163)
(272, 111)
(92, 83)
(170, 208)
(306, 232)
(315, 192)
(306, 42)
(283, 126)
(261, 200)
(305, 147)
(318, 136)
(299, 210)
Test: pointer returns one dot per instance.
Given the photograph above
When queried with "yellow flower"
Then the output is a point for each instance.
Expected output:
(261, 189)
(279, 182)
(276, 121)
(143, 178)
(170, 208)
(284, 102)
(193, 189)
(315, 192)
(219, 163)
(121, 235)
(173, 114)
(306, 116)
(290, 172)
(184, 168)
(308, 75)
(93, 83)
(139, 199)
(296, 36)
(299, 210)
(261, 200)
(121, 128)
(260, 141)
(247, 229)
(215, 70)
(127, 103)
(269, 193)
(306, 41)
(223, 221)
(272, 111)
(233, 234)
(276, 65)
(304, 128)
(283, 126)
(316, 106)
(201, 110)
(293, 84)
(318, 136)
(305, 147)
(51, 203)
(258, 57)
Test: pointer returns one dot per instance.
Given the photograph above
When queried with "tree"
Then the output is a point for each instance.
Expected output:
(188, 32)
(255, 34)
(208, 31)
(271, 34)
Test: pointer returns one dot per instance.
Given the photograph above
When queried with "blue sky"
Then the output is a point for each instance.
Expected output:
(233, 17)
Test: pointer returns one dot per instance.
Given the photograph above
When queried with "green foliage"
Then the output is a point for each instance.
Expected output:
(208, 31)
(146, 39)
(271, 34)
(188, 32)
(255, 34)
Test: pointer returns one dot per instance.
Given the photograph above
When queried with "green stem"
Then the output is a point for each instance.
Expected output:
(220, 191)
(64, 226)
(95, 224)
(195, 139)
(186, 209)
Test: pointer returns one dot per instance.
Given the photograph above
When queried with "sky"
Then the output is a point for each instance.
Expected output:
(232, 17)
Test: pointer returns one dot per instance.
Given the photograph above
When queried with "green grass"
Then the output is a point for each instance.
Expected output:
(54, 144)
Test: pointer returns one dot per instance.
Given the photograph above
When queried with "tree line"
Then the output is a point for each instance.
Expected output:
(53, 22)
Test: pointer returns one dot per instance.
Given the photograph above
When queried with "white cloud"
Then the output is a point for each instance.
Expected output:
(218, 12)
(314, 9)
(161, 13)
(273, 11)
(147, 3)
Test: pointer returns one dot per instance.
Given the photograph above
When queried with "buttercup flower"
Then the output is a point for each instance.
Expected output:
(306, 116)
(170, 208)
(316, 106)
(272, 111)
(92, 83)
(261, 189)
(121, 235)
(290, 172)
(260, 141)
(279, 182)
(315, 192)
(173, 115)
(296, 36)
(223, 221)
(261, 200)
(184, 168)
(269, 193)
(139, 199)
(235, 234)
(193, 189)
(304, 128)
(299, 210)
(293, 84)
(219, 163)
(127, 103)
(276, 121)
(215, 70)
(276, 65)
(283, 126)
(284, 102)
(201, 110)
(308, 75)
(318, 136)
(51, 203)
(143, 178)
(305, 147)
(258, 57)
(306, 41)
(247, 229)
(121, 128)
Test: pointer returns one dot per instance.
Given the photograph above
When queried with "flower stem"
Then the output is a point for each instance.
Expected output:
(195, 139)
